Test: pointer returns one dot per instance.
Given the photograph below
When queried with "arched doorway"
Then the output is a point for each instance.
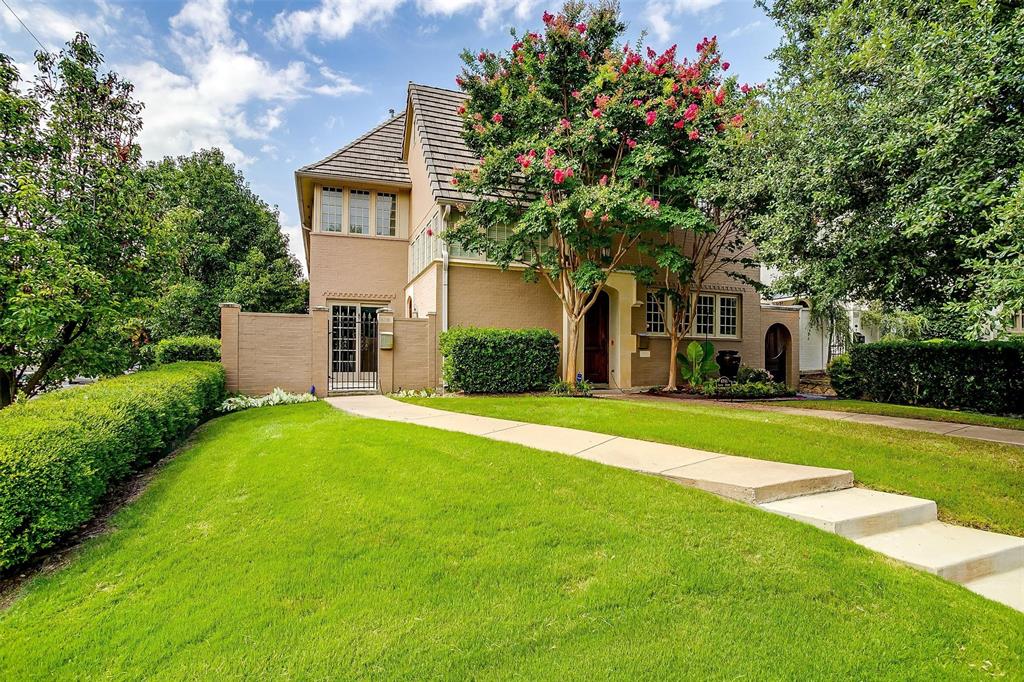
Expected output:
(595, 341)
(776, 351)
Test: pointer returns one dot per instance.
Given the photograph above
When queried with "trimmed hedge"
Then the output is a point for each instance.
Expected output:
(186, 348)
(982, 376)
(59, 452)
(483, 360)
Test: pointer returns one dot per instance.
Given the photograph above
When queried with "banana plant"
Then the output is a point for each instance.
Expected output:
(698, 363)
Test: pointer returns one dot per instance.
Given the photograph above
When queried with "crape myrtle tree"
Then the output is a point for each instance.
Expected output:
(75, 239)
(585, 144)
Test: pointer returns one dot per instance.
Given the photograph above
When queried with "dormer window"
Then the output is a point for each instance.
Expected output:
(331, 211)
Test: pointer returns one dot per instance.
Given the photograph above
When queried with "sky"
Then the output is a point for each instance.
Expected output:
(279, 84)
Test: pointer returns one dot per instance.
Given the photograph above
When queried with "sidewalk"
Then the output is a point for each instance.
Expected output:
(987, 433)
(905, 528)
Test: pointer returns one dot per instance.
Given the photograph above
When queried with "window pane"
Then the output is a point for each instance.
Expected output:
(705, 315)
(386, 215)
(655, 313)
(359, 212)
(727, 315)
(330, 209)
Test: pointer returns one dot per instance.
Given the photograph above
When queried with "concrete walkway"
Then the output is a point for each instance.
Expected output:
(989, 433)
(899, 526)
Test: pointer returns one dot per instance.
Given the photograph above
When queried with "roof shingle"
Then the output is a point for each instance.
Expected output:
(373, 157)
(440, 133)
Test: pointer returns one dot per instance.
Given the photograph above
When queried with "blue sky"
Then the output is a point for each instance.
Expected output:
(277, 85)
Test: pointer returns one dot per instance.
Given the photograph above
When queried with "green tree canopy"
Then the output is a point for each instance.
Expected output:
(590, 149)
(76, 242)
(890, 154)
(225, 244)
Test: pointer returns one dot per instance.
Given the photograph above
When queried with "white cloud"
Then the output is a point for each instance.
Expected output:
(740, 30)
(657, 16)
(224, 93)
(109, 25)
(336, 84)
(336, 19)
(661, 15)
(331, 19)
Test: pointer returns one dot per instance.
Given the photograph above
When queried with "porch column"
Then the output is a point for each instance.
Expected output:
(229, 314)
(319, 351)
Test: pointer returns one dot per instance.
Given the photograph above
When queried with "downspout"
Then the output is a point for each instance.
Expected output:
(444, 277)
(444, 270)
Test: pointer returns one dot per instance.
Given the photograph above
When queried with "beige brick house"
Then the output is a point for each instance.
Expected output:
(384, 285)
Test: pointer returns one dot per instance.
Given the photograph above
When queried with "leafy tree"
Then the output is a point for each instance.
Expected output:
(585, 147)
(891, 150)
(225, 244)
(75, 238)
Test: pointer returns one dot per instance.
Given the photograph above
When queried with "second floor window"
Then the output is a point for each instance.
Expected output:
(330, 209)
(655, 313)
(387, 213)
(358, 212)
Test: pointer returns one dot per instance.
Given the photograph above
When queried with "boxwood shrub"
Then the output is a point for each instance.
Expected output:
(842, 377)
(982, 376)
(484, 360)
(60, 452)
(182, 348)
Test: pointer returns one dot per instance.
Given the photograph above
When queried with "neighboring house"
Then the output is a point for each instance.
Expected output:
(819, 343)
(384, 284)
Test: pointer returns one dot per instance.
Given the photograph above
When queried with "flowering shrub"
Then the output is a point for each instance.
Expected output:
(276, 397)
(589, 149)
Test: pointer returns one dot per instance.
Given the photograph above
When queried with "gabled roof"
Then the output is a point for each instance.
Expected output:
(373, 157)
(439, 128)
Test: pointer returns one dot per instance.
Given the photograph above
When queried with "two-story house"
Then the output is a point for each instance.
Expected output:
(384, 284)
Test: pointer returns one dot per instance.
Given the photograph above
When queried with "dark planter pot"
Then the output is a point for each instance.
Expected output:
(729, 362)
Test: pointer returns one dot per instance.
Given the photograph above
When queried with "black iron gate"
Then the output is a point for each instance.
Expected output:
(353, 348)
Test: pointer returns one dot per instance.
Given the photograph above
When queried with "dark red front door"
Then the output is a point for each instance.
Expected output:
(595, 341)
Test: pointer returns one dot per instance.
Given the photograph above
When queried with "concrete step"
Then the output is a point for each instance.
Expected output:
(952, 552)
(1006, 587)
(756, 481)
(856, 512)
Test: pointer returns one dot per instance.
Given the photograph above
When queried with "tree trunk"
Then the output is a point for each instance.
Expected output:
(572, 340)
(673, 365)
(6, 388)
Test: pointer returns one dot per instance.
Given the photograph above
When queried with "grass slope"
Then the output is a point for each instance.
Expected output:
(974, 483)
(908, 411)
(299, 542)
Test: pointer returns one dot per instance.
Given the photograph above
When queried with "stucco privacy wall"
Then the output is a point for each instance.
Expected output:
(262, 351)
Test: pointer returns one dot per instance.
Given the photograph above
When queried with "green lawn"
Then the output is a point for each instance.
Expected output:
(299, 542)
(974, 483)
(909, 411)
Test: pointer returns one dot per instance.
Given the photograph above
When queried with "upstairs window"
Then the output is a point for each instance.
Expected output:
(330, 209)
(655, 313)
(358, 212)
(387, 214)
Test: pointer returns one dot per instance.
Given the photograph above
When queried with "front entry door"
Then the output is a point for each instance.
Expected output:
(595, 341)
(353, 347)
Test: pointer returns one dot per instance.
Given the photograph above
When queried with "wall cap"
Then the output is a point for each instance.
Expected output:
(230, 305)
